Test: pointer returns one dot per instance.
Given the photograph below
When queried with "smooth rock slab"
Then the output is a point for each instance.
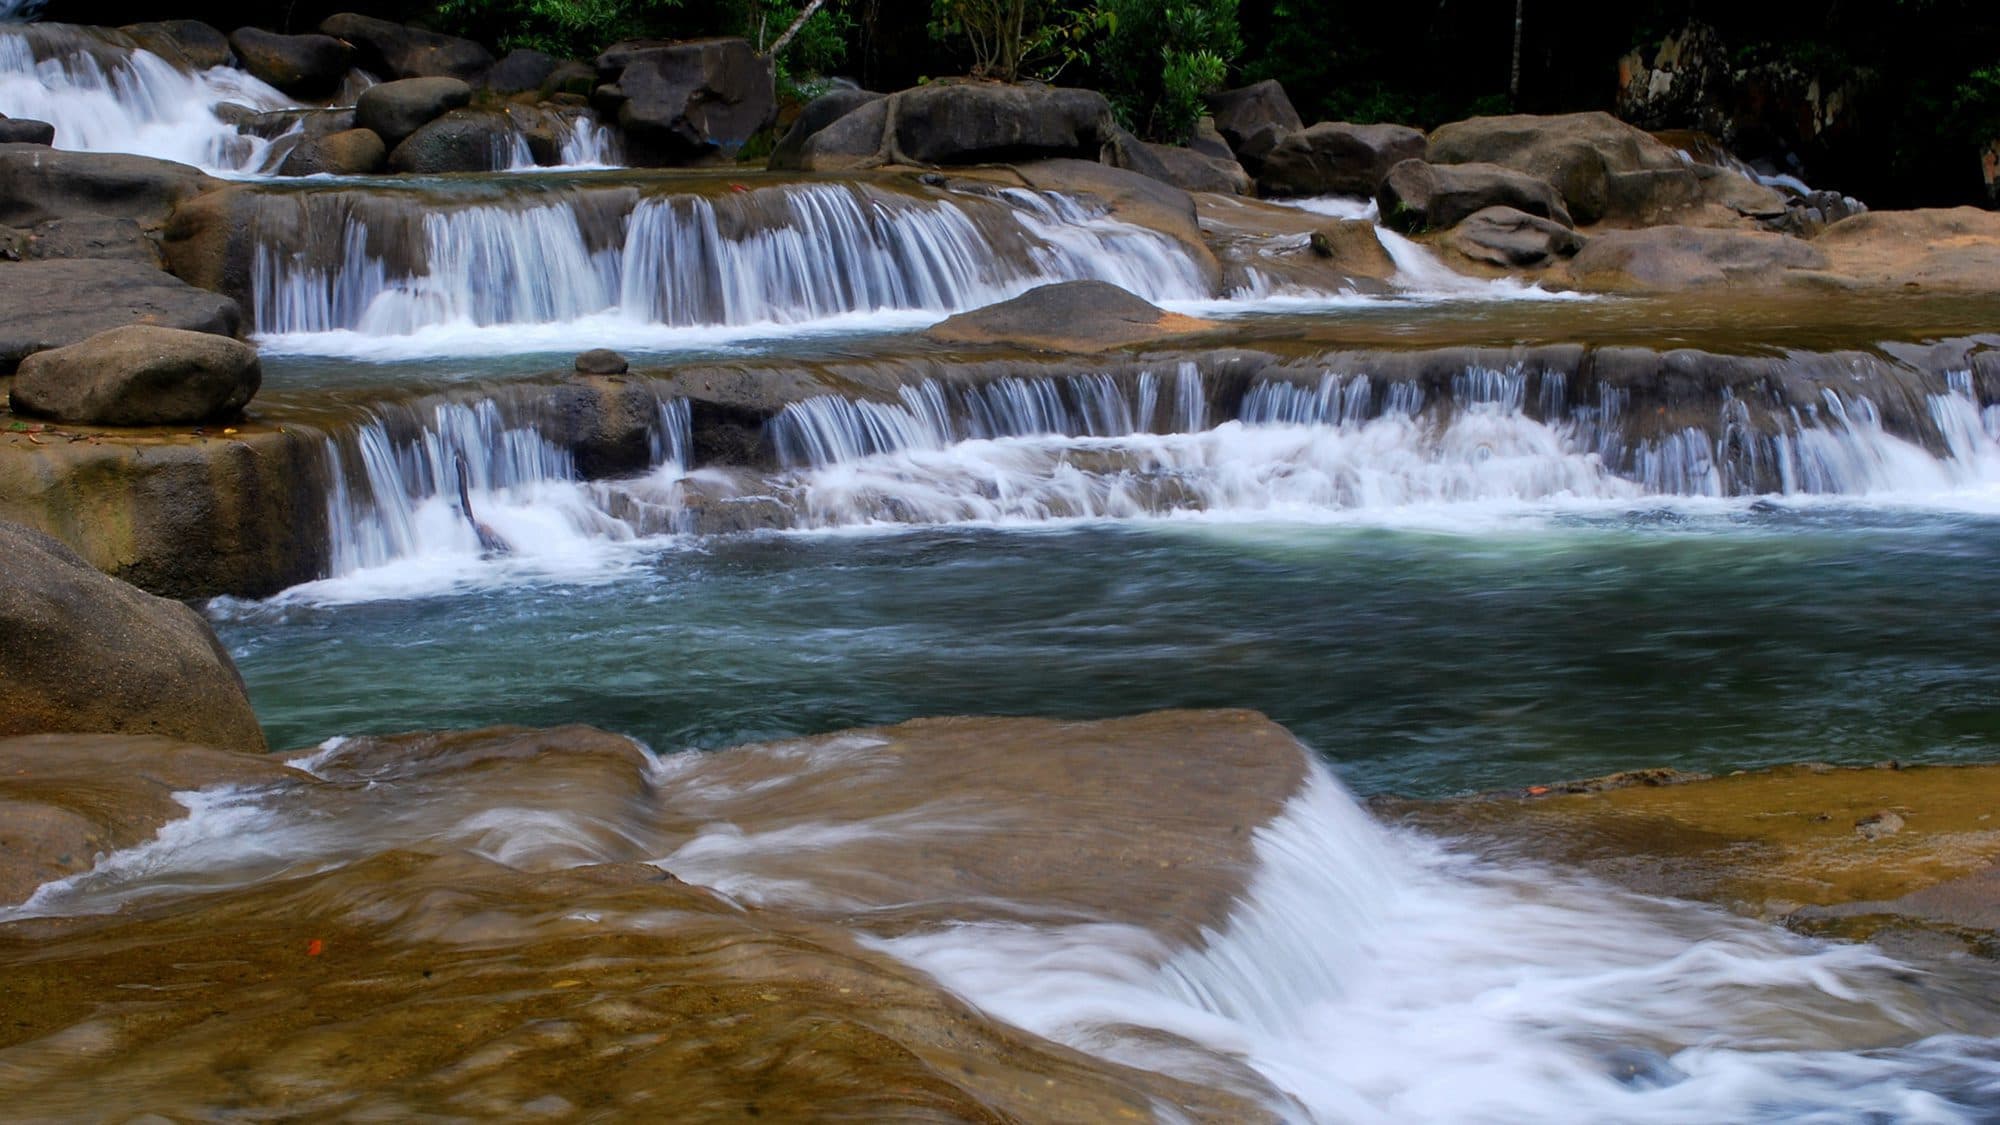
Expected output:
(139, 375)
(57, 303)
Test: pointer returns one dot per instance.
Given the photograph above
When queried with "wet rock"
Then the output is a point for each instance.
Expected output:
(464, 140)
(83, 652)
(819, 113)
(139, 375)
(1503, 236)
(1603, 168)
(1351, 245)
(1070, 316)
(396, 51)
(1417, 196)
(67, 799)
(199, 44)
(1184, 168)
(1674, 258)
(353, 152)
(601, 361)
(38, 183)
(1335, 158)
(1244, 112)
(307, 66)
(1879, 825)
(519, 71)
(311, 123)
(394, 110)
(683, 102)
(1129, 197)
(115, 239)
(1956, 249)
(56, 303)
(25, 131)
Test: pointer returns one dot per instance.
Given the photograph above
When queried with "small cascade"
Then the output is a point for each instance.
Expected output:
(104, 93)
(360, 263)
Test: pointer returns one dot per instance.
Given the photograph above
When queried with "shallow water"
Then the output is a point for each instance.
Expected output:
(1528, 646)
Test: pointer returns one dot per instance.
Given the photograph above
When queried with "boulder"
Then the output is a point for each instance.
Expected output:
(200, 45)
(1677, 258)
(1335, 158)
(519, 71)
(1184, 168)
(81, 652)
(139, 375)
(308, 66)
(310, 123)
(92, 237)
(1351, 245)
(394, 110)
(464, 140)
(1416, 196)
(817, 115)
(39, 183)
(395, 51)
(982, 122)
(353, 152)
(1241, 113)
(1069, 316)
(1604, 168)
(1511, 239)
(1956, 249)
(682, 102)
(601, 361)
(57, 303)
(1208, 142)
(26, 131)
(857, 139)
(570, 77)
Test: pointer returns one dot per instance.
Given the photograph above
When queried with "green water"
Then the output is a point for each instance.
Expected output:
(1417, 662)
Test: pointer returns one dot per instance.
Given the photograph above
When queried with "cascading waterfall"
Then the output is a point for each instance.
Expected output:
(769, 256)
(104, 93)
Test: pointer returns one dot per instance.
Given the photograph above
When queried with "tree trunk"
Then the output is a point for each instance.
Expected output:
(785, 40)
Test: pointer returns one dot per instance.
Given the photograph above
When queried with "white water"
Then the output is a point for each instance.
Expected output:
(1374, 978)
(137, 103)
(777, 256)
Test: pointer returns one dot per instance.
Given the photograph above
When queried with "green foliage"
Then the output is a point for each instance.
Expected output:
(819, 48)
(564, 28)
(1162, 56)
(1010, 39)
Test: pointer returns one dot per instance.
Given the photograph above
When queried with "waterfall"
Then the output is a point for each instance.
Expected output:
(104, 93)
(768, 256)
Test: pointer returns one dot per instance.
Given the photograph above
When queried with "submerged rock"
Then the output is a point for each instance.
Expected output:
(81, 652)
(1070, 316)
(139, 375)
(53, 304)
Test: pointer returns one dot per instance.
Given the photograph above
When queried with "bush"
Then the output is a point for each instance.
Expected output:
(1009, 39)
(564, 28)
(1162, 56)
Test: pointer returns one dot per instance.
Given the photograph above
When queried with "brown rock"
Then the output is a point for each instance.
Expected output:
(1336, 158)
(1603, 168)
(601, 361)
(354, 152)
(139, 375)
(1417, 197)
(1070, 316)
(1675, 258)
(81, 652)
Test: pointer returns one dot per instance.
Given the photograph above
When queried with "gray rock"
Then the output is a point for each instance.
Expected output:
(819, 113)
(26, 131)
(82, 652)
(857, 139)
(1241, 113)
(39, 183)
(683, 102)
(396, 51)
(92, 237)
(1335, 158)
(1182, 167)
(139, 375)
(979, 122)
(519, 71)
(308, 66)
(53, 304)
(394, 110)
(1416, 196)
(464, 140)
(1503, 236)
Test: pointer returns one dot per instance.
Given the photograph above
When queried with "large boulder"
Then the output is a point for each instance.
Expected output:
(81, 652)
(464, 140)
(1335, 158)
(857, 139)
(981, 122)
(139, 375)
(57, 303)
(1675, 258)
(1243, 113)
(1417, 196)
(26, 131)
(1505, 237)
(520, 70)
(683, 102)
(38, 184)
(395, 51)
(1069, 316)
(1184, 168)
(1604, 168)
(817, 115)
(394, 110)
(196, 43)
(308, 66)
(353, 152)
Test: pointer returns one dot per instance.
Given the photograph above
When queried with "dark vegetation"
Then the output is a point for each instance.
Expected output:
(1918, 80)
